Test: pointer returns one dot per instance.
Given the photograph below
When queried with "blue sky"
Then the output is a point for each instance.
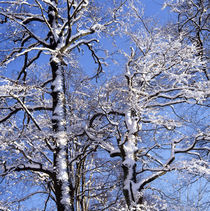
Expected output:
(154, 8)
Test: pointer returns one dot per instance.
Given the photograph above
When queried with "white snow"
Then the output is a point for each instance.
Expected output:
(62, 170)
(61, 138)
(131, 122)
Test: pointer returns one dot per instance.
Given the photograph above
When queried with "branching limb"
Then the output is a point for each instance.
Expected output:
(26, 110)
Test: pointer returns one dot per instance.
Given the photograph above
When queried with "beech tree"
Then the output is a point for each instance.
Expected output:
(71, 144)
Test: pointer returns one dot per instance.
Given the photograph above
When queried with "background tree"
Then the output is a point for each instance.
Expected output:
(193, 24)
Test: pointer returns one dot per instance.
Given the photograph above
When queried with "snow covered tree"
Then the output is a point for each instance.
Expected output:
(72, 145)
(42, 100)
(145, 117)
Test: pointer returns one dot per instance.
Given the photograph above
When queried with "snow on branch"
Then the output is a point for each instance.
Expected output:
(99, 140)
(26, 110)
(37, 167)
(41, 41)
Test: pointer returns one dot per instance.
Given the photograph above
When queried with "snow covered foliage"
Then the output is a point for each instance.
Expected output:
(193, 23)
(67, 143)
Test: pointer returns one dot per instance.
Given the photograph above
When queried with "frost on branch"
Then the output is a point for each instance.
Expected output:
(196, 167)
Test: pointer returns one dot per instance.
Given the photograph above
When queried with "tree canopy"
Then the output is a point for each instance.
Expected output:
(73, 137)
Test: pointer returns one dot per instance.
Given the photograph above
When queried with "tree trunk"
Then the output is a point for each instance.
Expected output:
(62, 183)
(128, 151)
